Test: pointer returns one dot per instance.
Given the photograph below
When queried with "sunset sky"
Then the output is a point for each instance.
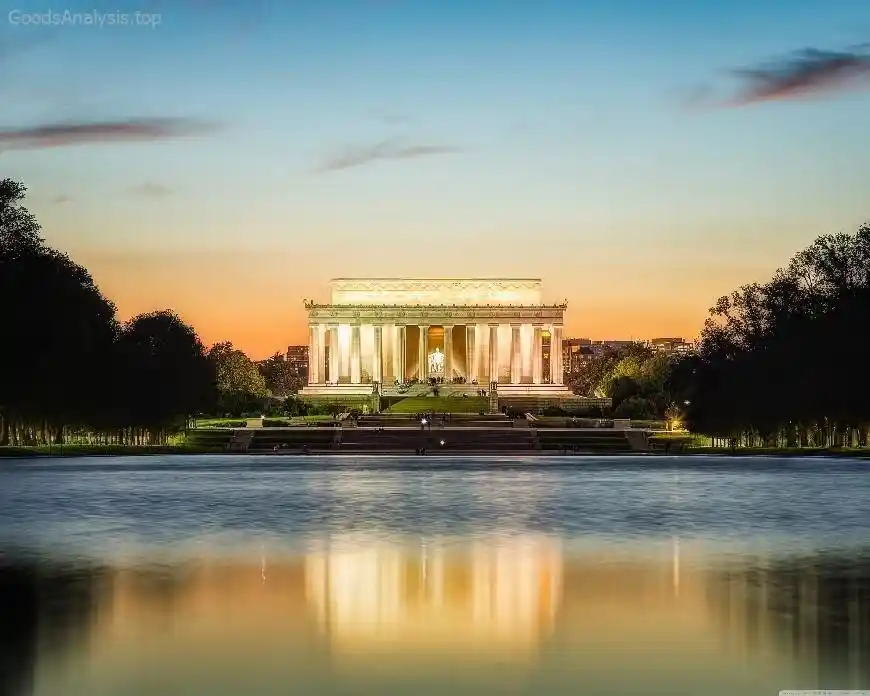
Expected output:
(642, 157)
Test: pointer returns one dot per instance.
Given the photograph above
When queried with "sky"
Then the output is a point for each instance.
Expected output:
(225, 159)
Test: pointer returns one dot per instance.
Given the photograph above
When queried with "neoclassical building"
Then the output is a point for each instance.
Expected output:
(471, 331)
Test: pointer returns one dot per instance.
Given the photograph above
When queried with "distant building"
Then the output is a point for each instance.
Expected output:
(671, 345)
(601, 346)
(575, 353)
(297, 358)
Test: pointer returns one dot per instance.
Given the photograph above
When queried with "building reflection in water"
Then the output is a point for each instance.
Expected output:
(334, 619)
(488, 597)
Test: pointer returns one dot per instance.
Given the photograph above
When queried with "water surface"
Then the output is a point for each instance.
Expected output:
(318, 575)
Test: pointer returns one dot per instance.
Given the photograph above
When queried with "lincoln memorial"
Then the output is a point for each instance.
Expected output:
(463, 332)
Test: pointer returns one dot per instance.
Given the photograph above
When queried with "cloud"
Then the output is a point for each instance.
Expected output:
(805, 74)
(67, 134)
(385, 150)
(152, 190)
(61, 199)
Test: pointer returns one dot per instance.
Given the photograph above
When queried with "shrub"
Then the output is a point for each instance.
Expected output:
(634, 407)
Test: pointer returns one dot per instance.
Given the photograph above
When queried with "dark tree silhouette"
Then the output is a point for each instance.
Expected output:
(782, 363)
(69, 368)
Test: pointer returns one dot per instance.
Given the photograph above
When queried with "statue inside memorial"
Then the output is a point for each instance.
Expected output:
(436, 362)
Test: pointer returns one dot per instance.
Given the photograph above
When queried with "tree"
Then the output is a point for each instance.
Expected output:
(68, 366)
(19, 230)
(635, 408)
(62, 330)
(635, 370)
(164, 373)
(782, 362)
(622, 388)
(241, 387)
(280, 379)
(235, 371)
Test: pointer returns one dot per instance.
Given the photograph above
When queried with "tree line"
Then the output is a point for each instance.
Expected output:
(784, 363)
(72, 369)
(780, 363)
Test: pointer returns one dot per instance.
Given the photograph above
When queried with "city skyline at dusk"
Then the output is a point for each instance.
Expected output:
(641, 158)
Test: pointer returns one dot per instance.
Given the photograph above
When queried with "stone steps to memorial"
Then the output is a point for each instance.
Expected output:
(293, 438)
(595, 440)
(452, 438)
(465, 437)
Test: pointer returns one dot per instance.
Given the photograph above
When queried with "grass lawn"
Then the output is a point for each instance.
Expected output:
(440, 404)
(221, 422)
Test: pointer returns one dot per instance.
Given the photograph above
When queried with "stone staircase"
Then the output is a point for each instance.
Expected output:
(240, 440)
(294, 439)
(584, 441)
(445, 439)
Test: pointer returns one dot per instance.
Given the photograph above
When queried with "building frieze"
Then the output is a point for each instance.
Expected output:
(433, 314)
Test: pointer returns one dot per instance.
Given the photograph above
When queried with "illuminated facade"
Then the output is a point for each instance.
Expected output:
(462, 331)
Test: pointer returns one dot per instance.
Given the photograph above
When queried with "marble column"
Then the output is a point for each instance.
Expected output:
(493, 352)
(448, 354)
(470, 357)
(321, 353)
(355, 371)
(557, 375)
(537, 356)
(312, 354)
(400, 354)
(378, 357)
(516, 355)
(423, 349)
(333, 354)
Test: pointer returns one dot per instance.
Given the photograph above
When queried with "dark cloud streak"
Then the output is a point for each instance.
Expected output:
(805, 74)
(69, 134)
(385, 150)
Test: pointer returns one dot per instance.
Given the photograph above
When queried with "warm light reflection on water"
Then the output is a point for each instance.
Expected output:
(431, 599)
(514, 616)
(508, 604)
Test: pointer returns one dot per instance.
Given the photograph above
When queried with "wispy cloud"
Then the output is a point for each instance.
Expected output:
(67, 134)
(152, 189)
(61, 199)
(384, 150)
(806, 74)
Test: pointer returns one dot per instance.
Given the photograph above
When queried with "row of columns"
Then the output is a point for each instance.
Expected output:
(319, 339)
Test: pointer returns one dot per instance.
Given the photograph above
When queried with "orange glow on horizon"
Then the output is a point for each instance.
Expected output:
(254, 299)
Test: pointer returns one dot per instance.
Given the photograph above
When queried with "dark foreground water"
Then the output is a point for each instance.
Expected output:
(274, 575)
